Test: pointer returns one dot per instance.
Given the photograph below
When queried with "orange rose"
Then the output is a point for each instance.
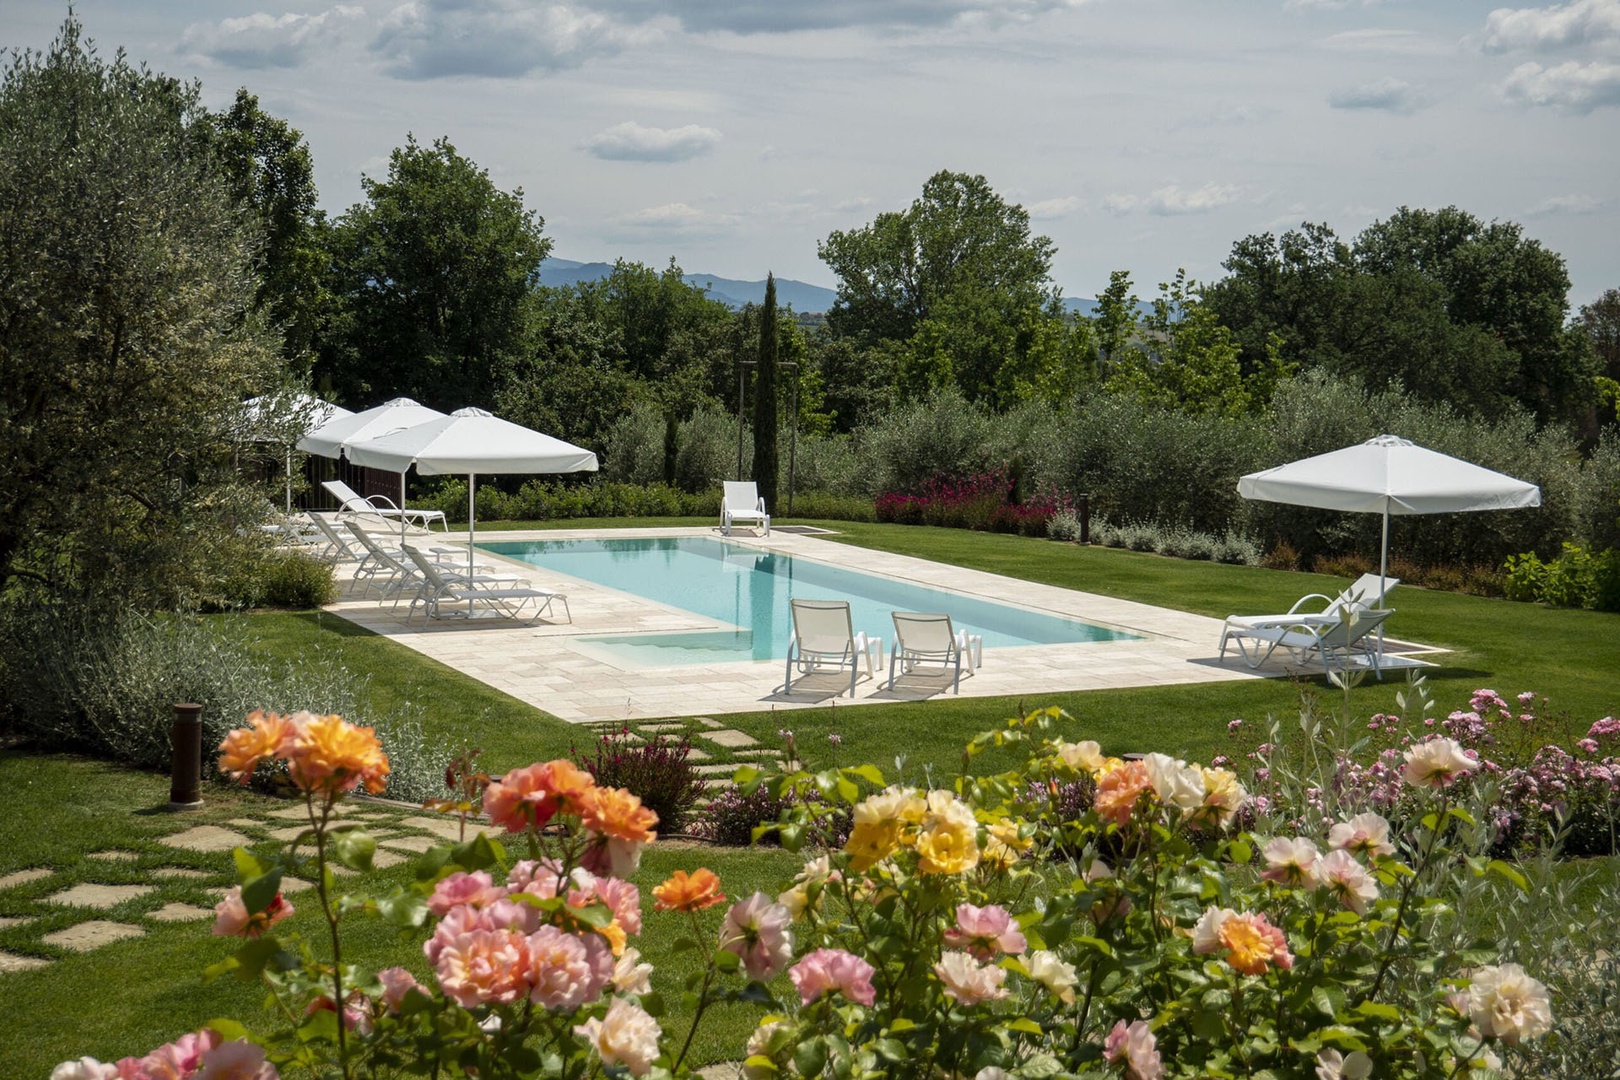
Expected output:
(531, 796)
(619, 815)
(244, 748)
(326, 754)
(689, 893)
(1119, 790)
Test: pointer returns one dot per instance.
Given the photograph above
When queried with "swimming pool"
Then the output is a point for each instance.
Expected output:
(748, 590)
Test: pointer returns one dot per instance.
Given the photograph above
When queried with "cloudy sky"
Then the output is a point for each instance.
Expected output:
(734, 134)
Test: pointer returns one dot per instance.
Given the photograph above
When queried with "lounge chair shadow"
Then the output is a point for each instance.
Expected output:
(914, 687)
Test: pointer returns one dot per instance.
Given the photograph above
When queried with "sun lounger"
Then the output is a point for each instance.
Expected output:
(928, 638)
(825, 642)
(506, 595)
(381, 506)
(743, 503)
(1340, 642)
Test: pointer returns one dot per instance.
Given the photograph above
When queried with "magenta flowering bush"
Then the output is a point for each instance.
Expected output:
(983, 502)
(1553, 782)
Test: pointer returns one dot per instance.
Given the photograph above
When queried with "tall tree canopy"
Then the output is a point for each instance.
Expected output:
(127, 330)
(959, 279)
(270, 170)
(1450, 308)
(432, 273)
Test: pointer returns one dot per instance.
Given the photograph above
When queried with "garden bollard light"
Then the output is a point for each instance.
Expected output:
(185, 790)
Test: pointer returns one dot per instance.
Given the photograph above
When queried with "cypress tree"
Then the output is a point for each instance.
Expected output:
(765, 400)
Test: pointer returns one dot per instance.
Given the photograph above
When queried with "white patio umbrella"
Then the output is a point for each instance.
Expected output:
(332, 438)
(1389, 476)
(470, 441)
(316, 413)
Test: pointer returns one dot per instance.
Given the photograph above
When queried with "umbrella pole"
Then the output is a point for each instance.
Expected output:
(402, 510)
(472, 521)
(289, 481)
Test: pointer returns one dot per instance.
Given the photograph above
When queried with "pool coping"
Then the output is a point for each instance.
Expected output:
(536, 663)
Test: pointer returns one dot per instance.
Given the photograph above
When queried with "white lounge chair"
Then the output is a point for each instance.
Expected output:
(505, 594)
(929, 638)
(1338, 642)
(382, 506)
(1368, 592)
(825, 641)
(743, 503)
(386, 568)
(339, 548)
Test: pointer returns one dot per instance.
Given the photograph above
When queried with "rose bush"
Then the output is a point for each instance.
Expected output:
(990, 928)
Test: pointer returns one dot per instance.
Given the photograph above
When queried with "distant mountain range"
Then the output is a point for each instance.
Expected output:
(804, 298)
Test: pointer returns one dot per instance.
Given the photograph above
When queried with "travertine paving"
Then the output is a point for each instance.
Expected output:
(545, 665)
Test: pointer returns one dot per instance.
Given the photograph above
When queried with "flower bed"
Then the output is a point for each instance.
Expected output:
(985, 502)
(990, 928)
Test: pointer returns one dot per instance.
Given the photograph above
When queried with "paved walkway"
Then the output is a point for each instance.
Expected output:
(544, 664)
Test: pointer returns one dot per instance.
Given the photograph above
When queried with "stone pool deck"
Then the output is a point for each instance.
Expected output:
(543, 664)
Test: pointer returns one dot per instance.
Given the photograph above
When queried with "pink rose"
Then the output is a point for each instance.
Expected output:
(475, 890)
(1437, 763)
(1348, 880)
(237, 1060)
(1137, 1048)
(232, 918)
(480, 967)
(756, 929)
(567, 970)
(984, 932)
(396, 983)
(833, 970)
(86, 1068)
(1364, 834)
(1291, 861)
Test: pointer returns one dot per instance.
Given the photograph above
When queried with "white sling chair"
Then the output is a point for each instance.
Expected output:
(743, 503)
(825, 640)
(928, 638)
(1334, 643)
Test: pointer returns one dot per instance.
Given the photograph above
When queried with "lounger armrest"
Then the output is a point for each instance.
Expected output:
(1326, 600)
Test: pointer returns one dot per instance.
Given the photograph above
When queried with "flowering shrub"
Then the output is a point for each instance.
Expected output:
(943, 938)
(659, 772)
(983, 502)
(1549, 780)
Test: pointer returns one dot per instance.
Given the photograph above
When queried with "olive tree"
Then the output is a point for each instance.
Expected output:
(128, 338)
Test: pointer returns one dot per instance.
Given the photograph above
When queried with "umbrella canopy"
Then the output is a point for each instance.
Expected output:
(470, 441)
(328, 439)
(1389, 476)
(307, 408)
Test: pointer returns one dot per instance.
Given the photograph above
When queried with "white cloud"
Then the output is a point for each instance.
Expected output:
(630, 141)
(433, 39)
(1552, 29)
(1047, 209)
(1386, 42)
(1572, 86)
(674, 219)
(1173, 200)
(262, 40)
(1386, 94)
(1566, 204)
(781, 16)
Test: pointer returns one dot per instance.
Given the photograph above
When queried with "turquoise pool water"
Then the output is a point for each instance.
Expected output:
(749, 589)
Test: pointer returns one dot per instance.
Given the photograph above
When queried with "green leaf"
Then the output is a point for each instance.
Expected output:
(1025, 1025)
(254, 956)
(869, 773)
(810, 1058)
(847, 790)
(479, 853)
(1497, 866)
(652, 1002)
(403, 907)
(1240, 852)
(900, 1025)
(760, 1064)
(319, 1026)
(727, 963)
(249, 865)
(746, 774)
(229, 1030)
(259, 893)
(1378, 1011)
(354, 849)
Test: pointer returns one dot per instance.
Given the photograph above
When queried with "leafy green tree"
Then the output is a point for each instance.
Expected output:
(269, 168)
(128, 337)
(1599, 321)
(432, 277)
(1494, 278)
(1114, 323)
(957, 277)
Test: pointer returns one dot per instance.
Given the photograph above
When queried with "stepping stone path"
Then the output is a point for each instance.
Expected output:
(405, 828)
(179, 913)
(731, 739)
(101, 897)
(86, 936)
